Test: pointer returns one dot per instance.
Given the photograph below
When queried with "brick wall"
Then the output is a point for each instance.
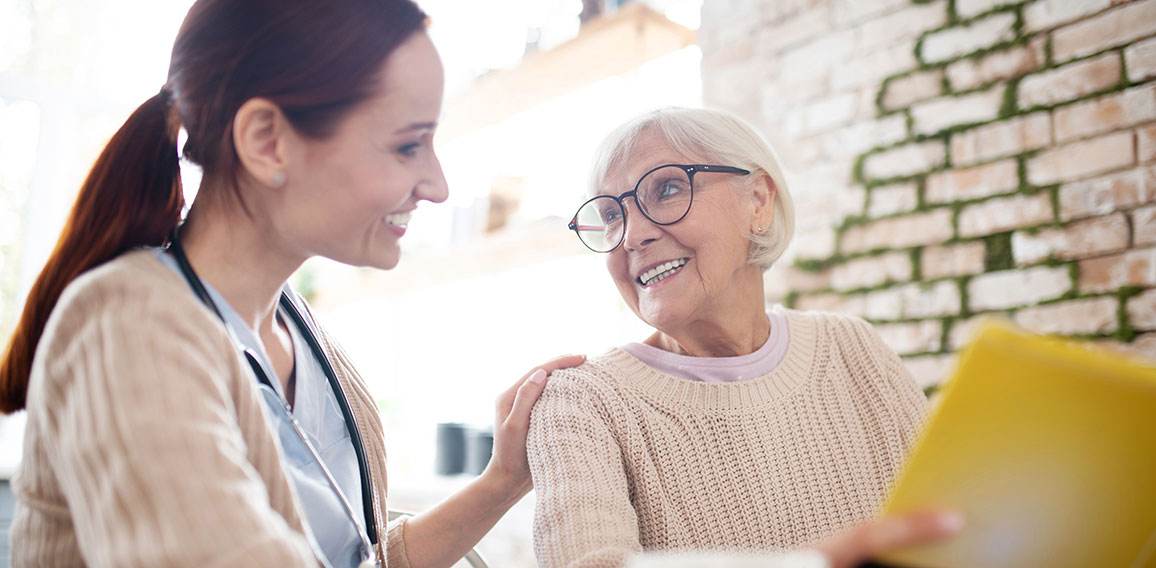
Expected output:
(952, 159)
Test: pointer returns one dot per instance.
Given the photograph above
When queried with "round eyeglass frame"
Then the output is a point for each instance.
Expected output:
(688, 169)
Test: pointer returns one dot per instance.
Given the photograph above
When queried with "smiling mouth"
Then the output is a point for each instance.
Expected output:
(661, 272)
(399, 219)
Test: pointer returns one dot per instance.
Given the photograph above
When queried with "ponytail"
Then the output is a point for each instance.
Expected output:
(132, 198)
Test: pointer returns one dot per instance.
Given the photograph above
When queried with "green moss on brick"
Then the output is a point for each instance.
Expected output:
(917, 264)
(1125, 333)
(964, 297)
(1010, 106)
(997, 254)
(791, 299)
(948, 322)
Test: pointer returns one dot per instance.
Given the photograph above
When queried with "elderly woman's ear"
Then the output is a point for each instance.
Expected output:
(763, 197)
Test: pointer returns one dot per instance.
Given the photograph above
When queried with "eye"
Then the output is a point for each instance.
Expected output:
(609, 214)
(669, 188)
(409, 150)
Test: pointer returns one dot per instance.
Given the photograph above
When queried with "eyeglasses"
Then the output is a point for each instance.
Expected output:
(663, 195)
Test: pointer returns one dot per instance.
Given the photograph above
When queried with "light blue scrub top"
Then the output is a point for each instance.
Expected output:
(319, 415)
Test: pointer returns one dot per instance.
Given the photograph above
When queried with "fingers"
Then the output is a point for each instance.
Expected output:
(563, 362)
(506, 400)
(891, 533)
(527, 395)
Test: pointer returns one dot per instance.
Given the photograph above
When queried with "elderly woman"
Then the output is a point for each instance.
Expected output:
(732, 427)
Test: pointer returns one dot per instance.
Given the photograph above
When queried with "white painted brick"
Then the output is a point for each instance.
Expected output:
(869, 69)
(1136, 267)
(855, 11)
(1044, 14)
(1071, 81)
(892, 199)
(1001, 139)
(930, 370)
(1093, 315)
(930, 300)
(1002, 214)
(771, 38)
(938, 114)
(1144, 226)
(1144, 347)
(882, 305)
(1142, 310)
(821, 302)
(952, 260)
(815, 244)
(1011, 288)
(903, 26)
(1083, 239)
(913, 301)
(905, 160)
(871, 271)
(1111, 112)
(968, 9)
(899, 232)
(1140, 60)
(916, 87)
(916, 337)
(828, 113)
(1082, 159)
(817, 58)
(954, 42)
(973, 182)
(999, 65)
(1146, 144)
(1118, 26)
(1113, 192)
(862, 136)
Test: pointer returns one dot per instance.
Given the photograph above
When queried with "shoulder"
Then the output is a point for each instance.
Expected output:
(598, 376)
(131, 304)
(133, 279)
(593, 388)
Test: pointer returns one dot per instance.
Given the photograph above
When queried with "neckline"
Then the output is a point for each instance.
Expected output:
(794, 370)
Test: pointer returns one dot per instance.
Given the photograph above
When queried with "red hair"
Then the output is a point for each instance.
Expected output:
(316, 60)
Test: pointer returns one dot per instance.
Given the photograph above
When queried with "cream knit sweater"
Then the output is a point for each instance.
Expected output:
(147, 443)
(625, 458)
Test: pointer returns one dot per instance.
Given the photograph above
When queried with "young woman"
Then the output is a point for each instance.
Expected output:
(158, 381)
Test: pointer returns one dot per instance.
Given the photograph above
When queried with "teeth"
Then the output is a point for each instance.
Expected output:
(660, 272)
(399, 219)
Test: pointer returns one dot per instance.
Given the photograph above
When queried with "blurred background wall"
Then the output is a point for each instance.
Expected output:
(949, 158)
(953, 159)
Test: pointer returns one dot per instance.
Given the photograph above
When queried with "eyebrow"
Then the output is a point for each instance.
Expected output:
(417, 126)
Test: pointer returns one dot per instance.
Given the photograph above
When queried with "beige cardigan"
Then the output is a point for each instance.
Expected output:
(626, 458)
(147, 444)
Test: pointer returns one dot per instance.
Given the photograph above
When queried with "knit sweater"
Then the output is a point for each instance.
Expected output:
(147, 443)
(625, 458)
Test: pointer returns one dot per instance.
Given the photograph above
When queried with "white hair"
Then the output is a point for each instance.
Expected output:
(722, 139)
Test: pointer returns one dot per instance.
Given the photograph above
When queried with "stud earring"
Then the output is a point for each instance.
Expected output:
(278, 179)
(759, 230)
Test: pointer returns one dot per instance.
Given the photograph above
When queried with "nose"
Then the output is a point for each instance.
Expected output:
(432, 186)
(640, 231)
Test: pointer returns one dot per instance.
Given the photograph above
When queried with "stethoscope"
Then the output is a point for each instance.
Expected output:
(263, 375)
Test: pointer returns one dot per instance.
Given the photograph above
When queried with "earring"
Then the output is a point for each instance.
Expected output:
(759, 230)
(278, 179)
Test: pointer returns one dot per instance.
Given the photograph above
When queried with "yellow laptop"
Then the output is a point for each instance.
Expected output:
(1048, 448)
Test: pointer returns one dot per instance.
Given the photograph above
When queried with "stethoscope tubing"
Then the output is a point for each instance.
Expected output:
(331, 376)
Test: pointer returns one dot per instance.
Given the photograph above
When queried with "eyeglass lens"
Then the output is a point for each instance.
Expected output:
(663, 196)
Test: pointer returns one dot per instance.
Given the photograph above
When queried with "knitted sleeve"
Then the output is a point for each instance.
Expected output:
(584, 516)
(145, 436)
(902, 404)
